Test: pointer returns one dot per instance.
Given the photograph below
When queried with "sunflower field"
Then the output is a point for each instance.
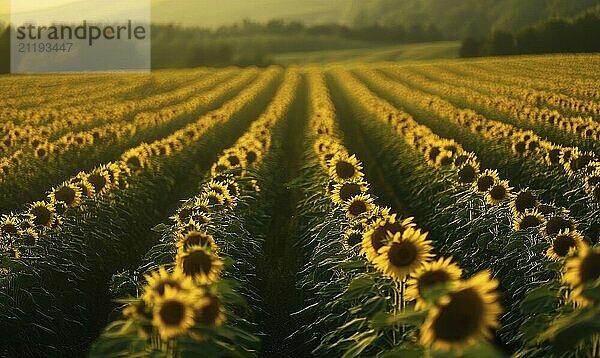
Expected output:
(434, 209)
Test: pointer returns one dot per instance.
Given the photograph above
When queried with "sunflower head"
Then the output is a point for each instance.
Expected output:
(556, 223)
(468, 172)
(404, 254)
(564, 244)
(213, 198)
(28, 237)
(522, 201)
(359, 205)
(473, 303)
(157, 281)
(195, 238)
(174, 313)
(432, 275)
(42, 214)
(200, 263)
(68, 194)
(352, 238)
(343, 192)
(10, 225)
(380, 234)
(581, 270)
(343, 167)
(183, 215)
(485, 181)
(99, 180)
(498, 192)
(529, 219)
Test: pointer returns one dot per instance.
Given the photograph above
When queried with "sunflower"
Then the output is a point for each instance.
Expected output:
(463, 158)
(498, 192)
(99, 180)
(28, 237)
(157, 281)
(358, 205)
(553, 156)
(212, 313)
(381, 233)
(343, 192)
(468, 172)
(523, 200)
(69, 194)
(199, 262)
(42, 213)
(529, 219)
(372, 216)
(564, 244)
(464, 315)
(433, 273)
(174, 312)
(9, 225)
(343, 167)
(86, 188)
(352, 238)
(404, 254)
(213, 198)
(485, 181)
(555, 224)
(581, 270)
(183, 215)
(195, 238)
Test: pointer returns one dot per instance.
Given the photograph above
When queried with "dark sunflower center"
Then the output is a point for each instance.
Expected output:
(562, 244)
(567, 155)
(525, 200)
(434, 152)
(485, 182)
(41, 152)
(556, 224)
(554, 156)
(232, 189)
(98, 181)
(217, 189)
(461, 159)
(344, 169)
(184, 213)
(402, 254)
(172, 312)
(431, 278)
(529, 221)
(28, 239)
(590, 267)
(251, 156)
(462, 318)
(354, 238)
(9, 228)
(65, 194)
(520, 147)
(328, 157)
(213, 200)
(197, 262)
(446, 160)
(498, 192)
(41, 215)
(233, 160)
(349, 190)
(467, 174)
(210, 313)
(357, 207)
(195, 238)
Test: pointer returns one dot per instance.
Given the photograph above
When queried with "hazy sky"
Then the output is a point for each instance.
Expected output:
(212, 13)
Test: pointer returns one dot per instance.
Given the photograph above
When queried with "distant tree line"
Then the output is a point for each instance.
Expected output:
(251, 43)
(580, 34)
